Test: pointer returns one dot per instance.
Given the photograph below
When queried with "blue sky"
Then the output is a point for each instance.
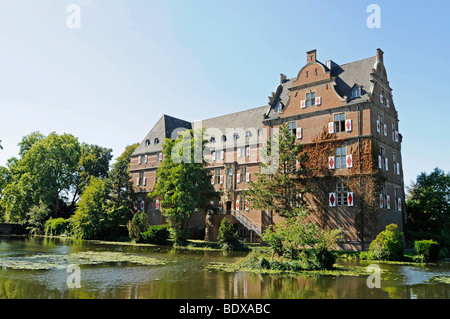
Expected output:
(132, 61)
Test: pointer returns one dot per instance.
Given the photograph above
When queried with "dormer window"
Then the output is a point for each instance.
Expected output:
(147, 142)
(235, 136)
(277, 108)
(156, 141)
(212, 139)
(356, 92)
(248, 134)
(224, 138)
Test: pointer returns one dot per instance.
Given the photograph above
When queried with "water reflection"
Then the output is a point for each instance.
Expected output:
(184, 276)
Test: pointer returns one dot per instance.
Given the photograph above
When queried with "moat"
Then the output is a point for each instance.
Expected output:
(182, 273)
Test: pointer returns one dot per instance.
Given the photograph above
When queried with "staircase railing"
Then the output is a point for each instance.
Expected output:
(247, 222)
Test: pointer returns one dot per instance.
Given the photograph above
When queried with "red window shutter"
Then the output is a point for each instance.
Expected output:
(222, 155)
(297, 165)
(350, 198)
(331, 162)
(332, 199)
(238, 178)
(220, 205)
(247, 151)
(142, 205)
(388, 202)
(239, 152)
(157, 204)
(349, 160)
(299, 133)
(146, 158)
(348, 125)
(221, 179)
(247, 207)
(212, 180)
(160, 157)
(330, 127)
(237, 205)
(247, 177)
(303, 104)
(318, 100)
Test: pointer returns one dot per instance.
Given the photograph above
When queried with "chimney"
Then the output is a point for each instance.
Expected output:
(282, 78)
(311, 56)
(380, 55)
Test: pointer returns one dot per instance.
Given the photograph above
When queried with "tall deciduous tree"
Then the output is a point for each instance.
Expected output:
(280, 191)
(184, 183)
(428, 204)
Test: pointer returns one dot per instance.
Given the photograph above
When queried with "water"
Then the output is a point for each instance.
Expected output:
(184, 276)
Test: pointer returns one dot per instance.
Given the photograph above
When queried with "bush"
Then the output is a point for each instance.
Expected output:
(57, 227)
(388, 245)
(428, 248)
(138, 225)
(228, 237)
(158, 235)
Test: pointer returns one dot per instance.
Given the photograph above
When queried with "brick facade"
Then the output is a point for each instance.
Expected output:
(344, 113)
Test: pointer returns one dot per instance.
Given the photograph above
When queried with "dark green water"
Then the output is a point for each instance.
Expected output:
(184, 276)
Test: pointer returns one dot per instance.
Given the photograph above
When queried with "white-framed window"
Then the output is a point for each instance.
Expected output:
(341, 194)
(310, 99)
(340, 159)
(339, 122)
(356, 92)
(292, 127)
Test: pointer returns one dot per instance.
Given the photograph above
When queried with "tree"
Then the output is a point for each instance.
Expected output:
(92, 212)
(184, 183)
(119, 181)
(228, 237)
(94, 162)
(280, 191)
(428, 205)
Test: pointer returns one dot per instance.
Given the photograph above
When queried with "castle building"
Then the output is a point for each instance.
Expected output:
(346, 118)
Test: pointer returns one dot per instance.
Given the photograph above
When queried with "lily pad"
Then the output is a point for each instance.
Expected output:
(55, 261)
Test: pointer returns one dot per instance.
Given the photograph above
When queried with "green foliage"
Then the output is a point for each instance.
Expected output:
(295, 233)
(138, 225)
(228, 237)
(428, 206)
(278, 186)
(91, 215)
(184, 183)
(57, 227)
(429, 249)
(158, 235)
(36, 219)
(388, 245)
(308, 259)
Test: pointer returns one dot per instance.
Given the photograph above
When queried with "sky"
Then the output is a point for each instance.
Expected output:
(129, 62)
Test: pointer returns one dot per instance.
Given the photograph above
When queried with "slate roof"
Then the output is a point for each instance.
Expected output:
(165, 127)
(347, 75)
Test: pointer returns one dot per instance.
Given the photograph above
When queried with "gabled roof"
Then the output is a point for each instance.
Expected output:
(165, 127)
